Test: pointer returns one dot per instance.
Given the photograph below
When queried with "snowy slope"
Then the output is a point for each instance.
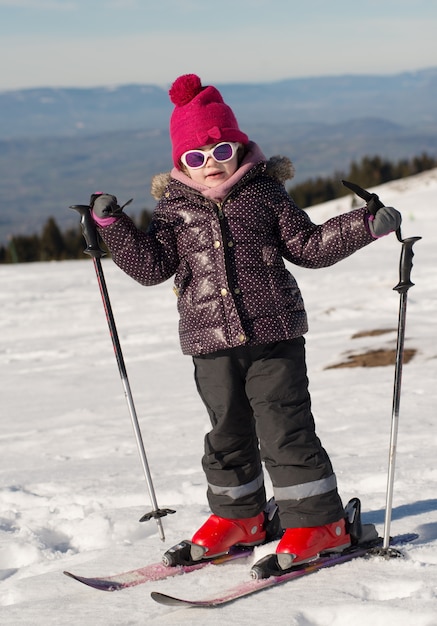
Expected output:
(71, 485)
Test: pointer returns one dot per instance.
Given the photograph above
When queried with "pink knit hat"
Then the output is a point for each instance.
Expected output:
(200, 117)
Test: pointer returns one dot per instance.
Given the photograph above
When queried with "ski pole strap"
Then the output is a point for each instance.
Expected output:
(89, 231)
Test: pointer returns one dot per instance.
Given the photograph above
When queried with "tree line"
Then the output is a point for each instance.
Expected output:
(54, 245)
(369, 172)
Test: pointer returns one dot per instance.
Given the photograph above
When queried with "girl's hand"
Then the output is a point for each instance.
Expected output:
(385, 221)
(105, 205)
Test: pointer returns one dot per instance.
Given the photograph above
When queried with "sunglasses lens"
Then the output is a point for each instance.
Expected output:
(195, 158)
(223, 152)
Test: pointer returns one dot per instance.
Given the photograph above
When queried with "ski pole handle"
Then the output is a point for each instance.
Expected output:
(372, 200)
(89, 231)
(406, 264)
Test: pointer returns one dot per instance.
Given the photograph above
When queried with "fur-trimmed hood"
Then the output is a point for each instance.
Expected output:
(278, 167)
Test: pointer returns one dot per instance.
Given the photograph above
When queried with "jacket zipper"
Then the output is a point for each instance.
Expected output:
(225, 241)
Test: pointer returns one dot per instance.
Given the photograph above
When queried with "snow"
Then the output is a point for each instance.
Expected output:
(71, 484)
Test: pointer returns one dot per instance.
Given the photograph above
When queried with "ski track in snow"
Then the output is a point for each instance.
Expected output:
(71, 484)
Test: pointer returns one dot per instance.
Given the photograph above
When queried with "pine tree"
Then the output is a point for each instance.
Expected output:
(52, 245)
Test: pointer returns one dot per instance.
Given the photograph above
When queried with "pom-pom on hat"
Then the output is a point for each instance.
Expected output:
(200, 117)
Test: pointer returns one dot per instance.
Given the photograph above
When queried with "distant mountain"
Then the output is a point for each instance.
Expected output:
(59, 145)
(406, 98)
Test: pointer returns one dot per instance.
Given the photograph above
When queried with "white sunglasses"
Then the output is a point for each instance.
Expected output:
(222, 153)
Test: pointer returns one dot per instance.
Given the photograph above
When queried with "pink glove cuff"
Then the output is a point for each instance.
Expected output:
(103, 221)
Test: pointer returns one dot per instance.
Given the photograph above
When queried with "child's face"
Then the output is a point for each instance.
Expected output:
(213, 173)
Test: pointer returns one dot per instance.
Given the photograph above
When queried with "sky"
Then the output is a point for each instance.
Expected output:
(74, 43)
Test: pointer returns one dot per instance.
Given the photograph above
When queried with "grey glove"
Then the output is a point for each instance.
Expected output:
(385, 221)
(106, 205)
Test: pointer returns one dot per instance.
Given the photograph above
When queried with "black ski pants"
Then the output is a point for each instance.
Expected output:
(260, 409)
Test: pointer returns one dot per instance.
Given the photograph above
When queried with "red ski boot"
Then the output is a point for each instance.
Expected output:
(219, 534)
(299, 545)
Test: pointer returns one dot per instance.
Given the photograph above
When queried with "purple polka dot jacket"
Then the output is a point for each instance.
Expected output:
(227, 258)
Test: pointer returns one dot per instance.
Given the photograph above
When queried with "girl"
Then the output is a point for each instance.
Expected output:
(223, 226)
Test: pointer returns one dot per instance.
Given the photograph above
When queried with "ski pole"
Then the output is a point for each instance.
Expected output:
(405, 266)
(94, 250)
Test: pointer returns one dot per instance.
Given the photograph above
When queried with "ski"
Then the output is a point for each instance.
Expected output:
(249, 587)
(178, 560)
(153, 572)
